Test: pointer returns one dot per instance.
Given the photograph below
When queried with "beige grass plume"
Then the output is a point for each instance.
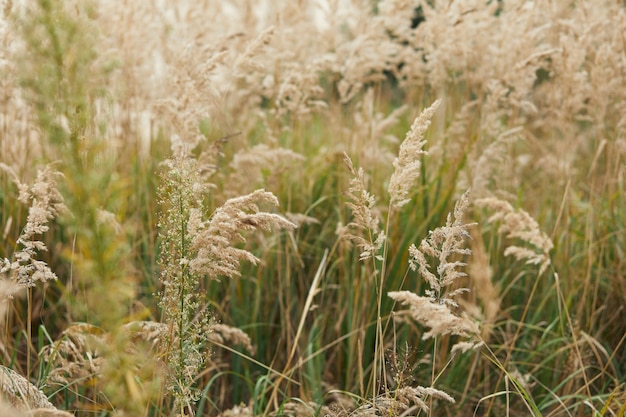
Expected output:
(260, 165)
(518, 224)
(435, 310)
(46, 203)
(407, 165)
(401, 401)
(217, 255)
(20, 393)
(364, 230)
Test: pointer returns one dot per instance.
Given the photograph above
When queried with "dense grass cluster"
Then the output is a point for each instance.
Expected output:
(343, 208)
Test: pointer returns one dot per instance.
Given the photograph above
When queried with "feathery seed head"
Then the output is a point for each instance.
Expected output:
(435, 310)
(518, 224)
(366, 232)
(407, 165)
(216, 255)
(46, 204)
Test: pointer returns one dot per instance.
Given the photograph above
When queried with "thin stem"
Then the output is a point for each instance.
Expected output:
(29, 329)
(181, 295)
(432, 375)
(379, 358)
(515, 337)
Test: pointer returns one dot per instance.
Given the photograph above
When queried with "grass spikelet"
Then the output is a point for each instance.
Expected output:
(261, 166)
(518, 224)
(21, 393)
(437, 317)
(222, 333)
(401, 401)
(46, 203)
(246, 62)
(366, 233)
(445, 244)
(216, 254)
(407, 165)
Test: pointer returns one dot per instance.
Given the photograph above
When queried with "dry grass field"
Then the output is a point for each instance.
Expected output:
(313, 208)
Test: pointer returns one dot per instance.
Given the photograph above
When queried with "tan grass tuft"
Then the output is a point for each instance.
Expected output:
(298, 408)
(46, 203)
(146, 331)
(261, 165)
(364, 230)
(518, 224)
(73, 357)
(437, 317)
(216, 255)
(434, 311)
(246, 62)
(369, 135)
(238, 411)
(222, 333)
(19, 392)
(400, 401)
(407, 165)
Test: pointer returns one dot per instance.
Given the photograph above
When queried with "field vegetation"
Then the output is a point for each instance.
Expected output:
(313, 208)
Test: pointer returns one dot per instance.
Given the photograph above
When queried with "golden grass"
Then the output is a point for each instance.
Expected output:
(141, 273)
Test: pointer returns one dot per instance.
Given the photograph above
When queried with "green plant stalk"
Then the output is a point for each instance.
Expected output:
(515, 336)
(520, 389)
(181, 317)
(379, 351)
(29, 329)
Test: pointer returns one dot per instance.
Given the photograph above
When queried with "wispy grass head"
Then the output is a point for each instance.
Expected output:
(46, 203)
(364, 230)
(446, 244)
(407, 165)
(20, 392)
(518, 224)
(216, 254)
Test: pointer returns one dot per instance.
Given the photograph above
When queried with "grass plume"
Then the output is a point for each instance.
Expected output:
(146, 157)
